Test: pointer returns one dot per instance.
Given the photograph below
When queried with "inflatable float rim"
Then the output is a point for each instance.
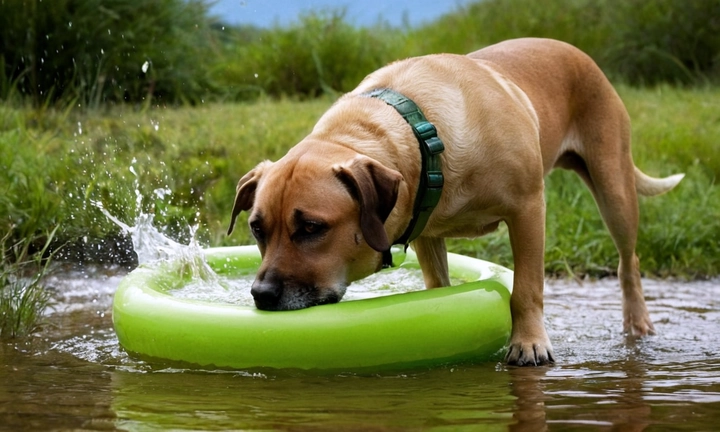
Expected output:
(469, 322)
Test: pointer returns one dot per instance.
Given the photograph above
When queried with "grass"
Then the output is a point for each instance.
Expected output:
(23, 298)
(98, 52)
(184, 164)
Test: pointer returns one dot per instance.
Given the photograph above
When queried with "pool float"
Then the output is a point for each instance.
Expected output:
(469, 322)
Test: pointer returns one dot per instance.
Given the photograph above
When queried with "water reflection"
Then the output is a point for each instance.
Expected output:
(302, 401)
(549, 397)
(628, 395)
(527, 385)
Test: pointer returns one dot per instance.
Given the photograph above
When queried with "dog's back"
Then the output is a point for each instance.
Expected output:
(566, 88)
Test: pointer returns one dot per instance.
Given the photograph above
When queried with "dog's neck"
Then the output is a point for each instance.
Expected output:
(431, 179)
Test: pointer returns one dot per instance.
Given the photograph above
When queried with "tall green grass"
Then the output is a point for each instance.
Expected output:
(638, 41)
(23, 297)
(92, 52)
(670, 41)
(183, 162)
(584, 23)
(319, 54)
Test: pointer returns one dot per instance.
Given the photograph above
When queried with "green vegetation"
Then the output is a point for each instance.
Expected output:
(320, 54)
(97, 52)
(54, 165)
(635, 41)
(23, 298)
(93, 52)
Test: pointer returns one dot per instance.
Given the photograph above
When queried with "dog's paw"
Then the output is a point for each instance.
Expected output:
(529, 354)
(638, 327)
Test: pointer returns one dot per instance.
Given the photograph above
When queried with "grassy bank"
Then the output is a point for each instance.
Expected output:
(184, 164)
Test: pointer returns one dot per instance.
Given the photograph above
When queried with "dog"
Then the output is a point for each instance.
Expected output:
(327, 212)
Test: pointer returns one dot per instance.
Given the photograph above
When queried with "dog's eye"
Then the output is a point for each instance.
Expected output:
(310, 230)
(257, 231)
(311, 227)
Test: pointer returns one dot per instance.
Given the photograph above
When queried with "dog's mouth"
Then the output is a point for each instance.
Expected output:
(297, 298)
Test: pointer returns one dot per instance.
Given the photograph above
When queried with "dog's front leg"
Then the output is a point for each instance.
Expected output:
(529, 343)
(432, 256)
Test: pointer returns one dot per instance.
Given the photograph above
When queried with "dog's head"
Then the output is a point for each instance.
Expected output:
(319, 225)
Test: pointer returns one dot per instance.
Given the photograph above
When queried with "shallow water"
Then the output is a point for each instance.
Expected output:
(73, 375)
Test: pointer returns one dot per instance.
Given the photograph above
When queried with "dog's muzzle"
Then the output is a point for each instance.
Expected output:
(272, 293)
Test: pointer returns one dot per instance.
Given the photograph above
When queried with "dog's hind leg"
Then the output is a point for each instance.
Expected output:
(609, 172)
(617, 200)
(432, 257)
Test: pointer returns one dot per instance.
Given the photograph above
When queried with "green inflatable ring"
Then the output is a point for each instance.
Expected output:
(465, 323)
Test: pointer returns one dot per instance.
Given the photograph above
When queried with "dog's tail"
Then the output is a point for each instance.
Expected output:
(650, 186)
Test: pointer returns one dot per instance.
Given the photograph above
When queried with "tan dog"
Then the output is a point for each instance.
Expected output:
(507, 114)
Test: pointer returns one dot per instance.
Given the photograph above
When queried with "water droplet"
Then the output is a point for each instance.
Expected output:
(162, 193)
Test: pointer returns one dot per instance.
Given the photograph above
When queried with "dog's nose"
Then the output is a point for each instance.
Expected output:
(266, 294)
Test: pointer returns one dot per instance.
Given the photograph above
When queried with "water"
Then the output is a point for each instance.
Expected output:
(236, 290)
(74, 376)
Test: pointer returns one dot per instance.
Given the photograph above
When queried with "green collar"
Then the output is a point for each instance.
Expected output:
(431, 177)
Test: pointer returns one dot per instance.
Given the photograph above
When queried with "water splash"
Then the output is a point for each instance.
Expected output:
(153, 247)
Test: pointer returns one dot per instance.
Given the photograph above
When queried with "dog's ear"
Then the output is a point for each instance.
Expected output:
(245, 195)
(376, 188)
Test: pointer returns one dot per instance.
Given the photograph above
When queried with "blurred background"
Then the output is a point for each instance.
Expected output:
(184, 51)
